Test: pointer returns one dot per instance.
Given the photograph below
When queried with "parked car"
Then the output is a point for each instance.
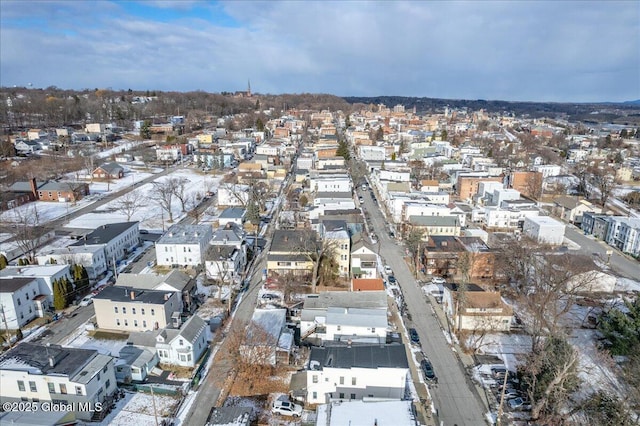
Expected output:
(86, 301)
(427, 370)
(392, 279)
(510, 393)
(270, 296)
(388, 270)
(361, 199)
(438, 280)
(413, 335)
(286, 408)
(517, 403)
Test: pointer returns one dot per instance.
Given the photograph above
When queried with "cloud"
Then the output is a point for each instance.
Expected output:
(557, 51)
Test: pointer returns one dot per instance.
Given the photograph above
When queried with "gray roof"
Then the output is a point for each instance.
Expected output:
(233, 415)
(232, 213)
(135, 356)
(291, 241)
(123, 294)
(176, 279)
(367, 356)
(11, 285)
(333, 194)
(347, 299)
(230, 234)
(191, 330)
(105, 233)
(220, 252)
(272, 321)
(143, 338)
(24, 186)
(111, 167)
(287, 257)
(184, 234)
(36, 358)
(357, 317)
(434, 220)
(334, 225)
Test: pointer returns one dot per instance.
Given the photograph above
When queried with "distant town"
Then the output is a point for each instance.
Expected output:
(240, 259)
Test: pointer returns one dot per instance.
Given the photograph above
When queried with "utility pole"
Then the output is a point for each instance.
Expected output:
(6, 326)
(153, 399)
(504, 388)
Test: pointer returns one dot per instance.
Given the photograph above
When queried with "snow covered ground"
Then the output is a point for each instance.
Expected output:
(151, 216)
(141, 409)
(106, 347)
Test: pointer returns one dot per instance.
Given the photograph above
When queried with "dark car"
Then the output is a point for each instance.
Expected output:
(413, 335)
(427, 370)
(392, 279)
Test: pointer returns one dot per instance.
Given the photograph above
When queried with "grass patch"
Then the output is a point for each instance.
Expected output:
(109, 335)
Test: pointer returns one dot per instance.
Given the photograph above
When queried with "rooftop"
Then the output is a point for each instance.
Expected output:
(185, 234)
(11, 285)
(105, 233)
(48, 360)
(366, 356)
(342, 299)
(123, 294)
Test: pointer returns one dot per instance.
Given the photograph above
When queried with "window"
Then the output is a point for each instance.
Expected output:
(98, 377)
(19, 302)
(78, 390)
(118, 322)
(107, 384)
(52, 387)
(353, 381)
(135, 323)
(124, 310)
(144, 324)
(181, 342)
(133, 311)
(21, 386)
(341, 381)
(314, 378)
(142, 311)
(353, 396)
(182, 358)
(341, 395)
(63, 388)
(126, 323)
(373, 329)
(33, 387)
(153, 311)
(315, 395)
(338, 328)
(104, 370)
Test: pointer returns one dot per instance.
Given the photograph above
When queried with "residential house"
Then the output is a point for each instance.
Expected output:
(432, 225)
(108, 171)
(624, 234)
(230, 415)
(467, 184)
(18, 305)
(427, 185)
(135, 363)
(183, 245)
(528, 183)
(117, 239)
(442, 256)
(44, 276)
(132, 309)
(339, 316)
(92, 257)
(230, 195)
(27, 146)
(173, 281)
(477, 309)
(36, 134)
(82, 378)
(544, 229)
(366, 412)
(364, 261)
(184, 346)
(52, 190)
(367, 284)
(225, 263)
(571, 209)
(340, 241)
(348, 373)
(268, 340)
(235, 215)
(231, 234)
(291, 253)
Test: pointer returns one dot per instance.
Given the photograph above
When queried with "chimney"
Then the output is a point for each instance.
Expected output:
(167, 296)
(34, 188)
(52, 361)
(133, 295)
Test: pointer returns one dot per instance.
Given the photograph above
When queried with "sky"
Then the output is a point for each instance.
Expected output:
(558, 51)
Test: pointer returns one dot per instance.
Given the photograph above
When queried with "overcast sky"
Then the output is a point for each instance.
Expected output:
(508, 50)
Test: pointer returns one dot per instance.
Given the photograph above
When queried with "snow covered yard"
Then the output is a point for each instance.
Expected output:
(141, 409)
(110, 347)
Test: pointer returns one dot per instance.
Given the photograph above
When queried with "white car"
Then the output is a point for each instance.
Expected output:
(388, 270)
(438, 280)
(86, 301)
(286, 408)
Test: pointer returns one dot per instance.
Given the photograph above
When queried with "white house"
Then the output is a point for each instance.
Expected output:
(118, 239)
(82, 378)
(92, 257)
(234, 215)
(341, 242)
(339, 182)
(364, 261)
(544, 229)
(185, 346)
(135, 363)
(478, 310)
(225, 262)
(339, 316)
(44, 275)
(269, 340)
(233, 195)
(183, 245)
(350, 373)
(18, 302)
(496, 217)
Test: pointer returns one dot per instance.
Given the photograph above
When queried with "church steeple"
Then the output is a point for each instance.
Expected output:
(249, 88)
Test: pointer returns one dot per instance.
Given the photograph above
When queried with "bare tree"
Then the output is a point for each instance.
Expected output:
(129, 203)
(533, 185)
(322, 254)
(604, 179)
(27, 230)
(163, 193)
(179, 186)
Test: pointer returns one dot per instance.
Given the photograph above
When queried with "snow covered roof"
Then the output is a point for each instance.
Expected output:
(382, 413)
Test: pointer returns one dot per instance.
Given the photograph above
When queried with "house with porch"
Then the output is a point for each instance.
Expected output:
(477, 309)
(364, 261)
(291, 253)
(108, 171)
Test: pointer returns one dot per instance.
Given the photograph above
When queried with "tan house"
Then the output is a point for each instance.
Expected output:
(433, 225)
(571, 209)
(291, 252)
(132, 309)
(467, 186)
(476, 309)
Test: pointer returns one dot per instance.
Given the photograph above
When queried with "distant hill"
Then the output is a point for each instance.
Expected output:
(621, 113)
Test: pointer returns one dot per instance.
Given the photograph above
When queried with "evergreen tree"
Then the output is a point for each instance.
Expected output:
(67, 286)
(59, 299)
(80, 279)
(343, 150)
(19, 335)
(3, 262)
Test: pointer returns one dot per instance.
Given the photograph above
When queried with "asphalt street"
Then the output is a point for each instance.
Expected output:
(456, 403)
